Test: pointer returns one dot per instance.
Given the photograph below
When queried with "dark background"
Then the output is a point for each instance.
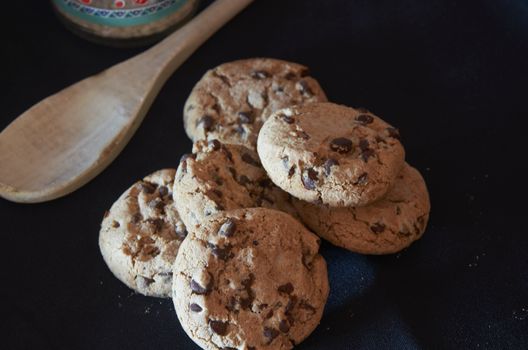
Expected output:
(452, 75)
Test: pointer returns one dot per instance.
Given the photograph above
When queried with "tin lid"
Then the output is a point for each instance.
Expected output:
(120, 13)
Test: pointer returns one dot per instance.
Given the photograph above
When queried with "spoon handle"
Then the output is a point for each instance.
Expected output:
(165, 57)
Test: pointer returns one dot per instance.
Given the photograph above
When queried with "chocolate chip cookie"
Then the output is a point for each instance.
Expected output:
(383, 227)
(218, 176)
(231, 101)
(141, 234)
(331, 154)
(249, 279)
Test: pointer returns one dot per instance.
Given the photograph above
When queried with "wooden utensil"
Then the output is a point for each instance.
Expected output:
(65, 140)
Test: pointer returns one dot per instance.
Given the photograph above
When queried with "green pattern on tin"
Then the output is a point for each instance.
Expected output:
(119, 17)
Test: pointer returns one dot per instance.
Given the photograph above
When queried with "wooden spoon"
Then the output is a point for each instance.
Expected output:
(65, 140)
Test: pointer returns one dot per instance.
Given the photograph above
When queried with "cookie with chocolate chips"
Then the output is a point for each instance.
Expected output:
(250, 279)
(218, 177)
(141, 234)
(385, 226)
(231, 102)
(331, 154)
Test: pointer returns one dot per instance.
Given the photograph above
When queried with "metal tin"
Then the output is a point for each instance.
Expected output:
(124, 22)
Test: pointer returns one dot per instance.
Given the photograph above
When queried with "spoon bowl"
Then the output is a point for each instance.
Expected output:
(65, 140)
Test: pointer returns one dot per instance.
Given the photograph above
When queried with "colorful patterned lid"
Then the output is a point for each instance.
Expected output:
(119, 13)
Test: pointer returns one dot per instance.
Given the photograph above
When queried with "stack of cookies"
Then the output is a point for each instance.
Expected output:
(222, 234)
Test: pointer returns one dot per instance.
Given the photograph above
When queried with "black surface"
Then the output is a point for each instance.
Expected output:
(451, 75)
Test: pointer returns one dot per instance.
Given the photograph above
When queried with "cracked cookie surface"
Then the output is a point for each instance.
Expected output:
(331, 154)
(383, 227)
(250, 279)
(141, 234)
(218, 177)
(231, 102)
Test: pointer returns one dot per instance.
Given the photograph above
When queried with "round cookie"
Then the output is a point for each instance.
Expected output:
(217, 177)
(141, 234)
(331, 154)
(231, 102)
(383, 227)
(250, 279)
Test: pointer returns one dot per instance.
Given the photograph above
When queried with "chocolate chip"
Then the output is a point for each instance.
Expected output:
(377, 228)
(215, 145)
(180, 231)
(156, 203)
(163, 191)
(250, 160)
(290, 76)
(187, 156)
(240, 130)
(366, 154)
(366, 151)
(245, 117)
(341, 145)
(365, 119)
(269, 314)
(137, 217)
(255, 243)
(206, 122)
(106, 213)
(286, 288)
(362, 179)
(245, 303)
(266, 183)
(259, 74)
(270, 333)
(394, 133)
(228, 228)
(222, 253)
(115, 224)
(363, 144)
(290, 305)
(309, 179)
(287, 118)
(216, 107)
(218, 327)
(228, 153)
(244, 180)
(328, 164)
(291, 171)
(305, 88)
(284, 326)
(147, 187)
(398, 210)
(183, 161)
(380, 140)
(195, 307)
(233, 172)
(198, 289)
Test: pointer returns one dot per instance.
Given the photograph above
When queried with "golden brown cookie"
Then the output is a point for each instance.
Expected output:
(386, 226)
(250, 279)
